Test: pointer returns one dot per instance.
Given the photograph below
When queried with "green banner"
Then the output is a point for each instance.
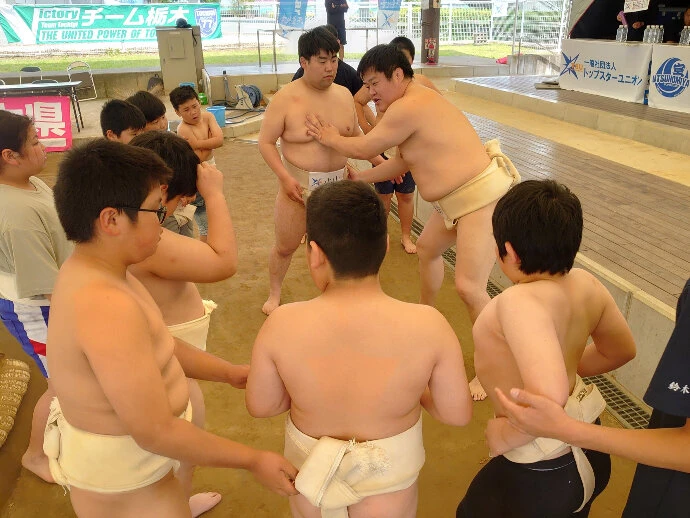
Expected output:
(99, 23)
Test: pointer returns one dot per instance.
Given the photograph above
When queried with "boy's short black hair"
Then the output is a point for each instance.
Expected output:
(150, 105)
(177, 154)
(312, 42)
(181, 95)
(14, 131)
(101, 174)
(384, 58)
(348, 221)
(403, 43)
(542, 220)
(118, 115)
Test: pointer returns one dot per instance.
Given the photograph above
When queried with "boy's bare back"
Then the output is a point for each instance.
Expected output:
(352, 372)
(534, 334)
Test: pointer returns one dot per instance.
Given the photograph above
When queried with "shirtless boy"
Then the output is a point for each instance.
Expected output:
(118, 374)
(450, 165)
(121, 121)
(199, 128)
(534, 336)
(170, 273)
(362, 382)
(305, 163)
(655, 492)
(404, 192)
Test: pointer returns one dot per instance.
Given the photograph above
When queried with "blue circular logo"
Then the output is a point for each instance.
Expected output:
(672, 78)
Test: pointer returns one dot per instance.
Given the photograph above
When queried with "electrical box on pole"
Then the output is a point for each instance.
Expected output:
(431, 27)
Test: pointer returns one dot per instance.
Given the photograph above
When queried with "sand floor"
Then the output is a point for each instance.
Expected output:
(454, 455)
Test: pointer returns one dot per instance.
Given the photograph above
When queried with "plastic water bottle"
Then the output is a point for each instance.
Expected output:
(625, 33)
(653, 32)
(685, 36)
(645, 36)
(661, 33)
(620, 33)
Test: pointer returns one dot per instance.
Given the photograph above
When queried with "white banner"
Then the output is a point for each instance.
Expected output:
(669, 87)
(608, 68)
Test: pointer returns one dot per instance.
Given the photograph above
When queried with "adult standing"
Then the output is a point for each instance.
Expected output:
(335, 16)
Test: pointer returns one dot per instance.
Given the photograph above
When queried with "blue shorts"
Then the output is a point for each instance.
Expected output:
(387, 187)
(29, 325)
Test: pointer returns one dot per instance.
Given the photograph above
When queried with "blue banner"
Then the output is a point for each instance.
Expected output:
(389, 12)
(292, 14)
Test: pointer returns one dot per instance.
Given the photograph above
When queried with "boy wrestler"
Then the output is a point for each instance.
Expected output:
(661, 487)
(170, 273)
(201, 130)
(152, 108)
(122, 407)
(348, 377)
(534, 335)
(121, 121)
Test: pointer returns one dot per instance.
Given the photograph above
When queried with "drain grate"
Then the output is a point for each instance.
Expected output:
(622, 407)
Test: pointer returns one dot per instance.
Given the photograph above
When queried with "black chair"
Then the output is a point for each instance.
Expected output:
(30, 72)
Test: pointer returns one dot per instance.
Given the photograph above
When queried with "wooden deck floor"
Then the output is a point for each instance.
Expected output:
(525, 85)
(636, 224)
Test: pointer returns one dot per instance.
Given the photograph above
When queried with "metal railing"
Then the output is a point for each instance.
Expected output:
(538, 24)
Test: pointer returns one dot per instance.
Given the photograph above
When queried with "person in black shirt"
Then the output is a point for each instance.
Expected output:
(335, 16)
(661, 487)
(345, 76)
(673, 29)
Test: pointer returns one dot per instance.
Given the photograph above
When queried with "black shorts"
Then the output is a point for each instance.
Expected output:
(388, 187)
(550, 488)
(338, 21)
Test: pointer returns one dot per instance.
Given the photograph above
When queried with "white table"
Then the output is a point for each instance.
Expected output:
(608, 68)
(669, 87)
(40, 89)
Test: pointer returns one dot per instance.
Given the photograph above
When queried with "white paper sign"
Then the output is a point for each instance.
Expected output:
(632, 6)
(669, 86)
(608, 68)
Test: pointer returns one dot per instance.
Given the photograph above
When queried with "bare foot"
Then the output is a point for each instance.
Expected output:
(38, 465)
(303, 240)
(477, 391)
(202, 502)
(270, 305)
(408, 245)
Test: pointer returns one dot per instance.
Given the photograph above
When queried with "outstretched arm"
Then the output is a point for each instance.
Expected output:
(394, 128)
(667, 448)
(201, 365)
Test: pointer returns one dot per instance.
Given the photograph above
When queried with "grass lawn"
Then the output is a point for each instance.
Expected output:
(117, 59)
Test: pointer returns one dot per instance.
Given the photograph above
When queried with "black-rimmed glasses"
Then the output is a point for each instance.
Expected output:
(161, 211)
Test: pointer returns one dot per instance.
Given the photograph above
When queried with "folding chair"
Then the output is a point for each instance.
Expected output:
(27, 73)
(47, 81)
(81, 71)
